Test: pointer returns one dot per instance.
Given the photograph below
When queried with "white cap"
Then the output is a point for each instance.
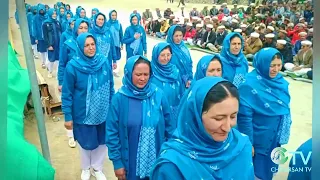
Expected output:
(149, 19)
(256, 28)
(224, 19)
(181, 22)
(199, 25)
(238, 30)
(207, 17)
(255, 35)
(301, 19)
(281, 41)
(290, 25)
(171, 15)
(270, 35)
(243, 26)
(163, 19)
(252, 4)
(306, 43)
(311, 30)
(176, 19)
(189, 24)
(258, 15)
(195, 17)
(274, 2)
(215, 17)
(270, 28)
(209, 26)
(147, 22)
(303, 33)
(221, 27)
(224, 4)
(235, 21)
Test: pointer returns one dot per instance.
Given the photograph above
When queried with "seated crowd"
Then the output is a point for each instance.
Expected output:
(287, 27)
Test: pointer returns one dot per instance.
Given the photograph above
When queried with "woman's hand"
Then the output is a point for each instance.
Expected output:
(120, 174)
(68, 125)
(188, 84)
(252, 151)
(50, 48)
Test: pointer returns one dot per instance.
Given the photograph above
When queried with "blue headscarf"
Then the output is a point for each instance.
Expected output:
(114, 27)
(98, 88)
(69, 29)
(165, 73)
(96, 28)
(63, 16)
(268, 96)
(182, 53)
(235, 67)
(151, 98)
(50, 13)
(193, 151)
(203, 64)
(42, 7)
(59, 4)
(97, 11)
(136, 28)
(72, 41)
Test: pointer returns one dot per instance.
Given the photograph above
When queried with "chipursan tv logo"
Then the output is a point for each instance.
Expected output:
(278, 155)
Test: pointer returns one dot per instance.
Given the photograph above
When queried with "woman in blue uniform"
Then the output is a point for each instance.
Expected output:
(101, 32)
(94, 12)
(139, 122)
(116, 31)
(180, 54)
(69, 48)
(38, 34)
(86, 96)
(31, 17)
(235, 64)
(209, 65)
(166, 76)
(135, 38)
(264, 113)
(204, 145)
(51, 33)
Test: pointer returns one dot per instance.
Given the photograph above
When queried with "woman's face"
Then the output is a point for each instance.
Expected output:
(54, 15)
(177, 37)
(100, 20)
(275, 67)
(214, 69)
(220, 118)
(72, 25)
(235, 46)
(68, 8)
(134, 20)
(68, 16)
(83, 28)
(113, 15)
(90, 47)
(94, 12)
(62, 11)
(141, 75)
(82, 13)
(165, 56)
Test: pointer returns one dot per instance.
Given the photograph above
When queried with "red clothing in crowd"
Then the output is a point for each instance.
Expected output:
(220, 16)
(295, 34)
(190, 34)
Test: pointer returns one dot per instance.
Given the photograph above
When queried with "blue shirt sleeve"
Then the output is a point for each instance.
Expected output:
(121, 35)
(112, 134)
(127, 38)
(144, 41)
(170, 125)
(63, 58)
(67, 93)
(166, 171)
(244, 119)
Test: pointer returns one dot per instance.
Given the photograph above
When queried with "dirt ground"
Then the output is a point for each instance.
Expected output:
(66, 160)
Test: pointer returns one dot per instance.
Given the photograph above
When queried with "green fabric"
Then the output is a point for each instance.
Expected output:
(23, 159)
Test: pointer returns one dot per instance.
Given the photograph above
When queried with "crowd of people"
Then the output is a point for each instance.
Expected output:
(166, 121)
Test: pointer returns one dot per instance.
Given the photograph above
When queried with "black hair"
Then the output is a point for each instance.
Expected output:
(277, 55)
(217, 59)
(168, 47)
(178, 28)
(218, 93)
(142, 61)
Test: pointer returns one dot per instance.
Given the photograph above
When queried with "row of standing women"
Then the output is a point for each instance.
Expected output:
(167, 122)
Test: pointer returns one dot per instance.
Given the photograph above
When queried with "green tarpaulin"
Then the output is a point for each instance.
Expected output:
(24, 162)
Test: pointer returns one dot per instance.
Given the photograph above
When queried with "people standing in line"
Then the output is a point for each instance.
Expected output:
(204, 145)
(116, 31)
(51, 34)
(181, 56)
(264, 113)
(38, 34)
(135, 38)
(139, 122)
(235, 65)
(104, 43)
(88, 88)
(166, 76)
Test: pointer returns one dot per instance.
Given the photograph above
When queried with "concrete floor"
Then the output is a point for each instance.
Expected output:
(66, 160)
